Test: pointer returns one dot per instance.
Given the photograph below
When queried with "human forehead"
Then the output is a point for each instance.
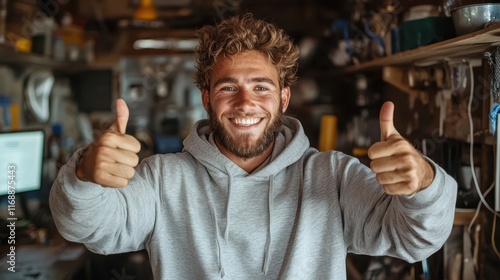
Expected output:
(244, 64)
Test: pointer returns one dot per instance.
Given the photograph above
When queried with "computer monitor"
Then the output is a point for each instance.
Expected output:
(21, 161)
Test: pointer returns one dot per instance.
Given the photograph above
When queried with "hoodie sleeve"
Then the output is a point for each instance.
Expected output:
(410, 228)
(106, 220)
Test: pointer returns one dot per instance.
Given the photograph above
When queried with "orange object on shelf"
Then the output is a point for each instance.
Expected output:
(359, 152)
(15, 115)
(328, 133)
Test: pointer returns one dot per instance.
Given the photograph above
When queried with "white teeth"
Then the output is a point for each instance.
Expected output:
(246, 121)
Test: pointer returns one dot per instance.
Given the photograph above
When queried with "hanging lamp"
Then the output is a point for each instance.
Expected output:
(146, 11)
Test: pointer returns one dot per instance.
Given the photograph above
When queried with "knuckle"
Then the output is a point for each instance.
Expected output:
(135, 160)
(107, 138)
(405, 174)
(100, 166)
(121, 183)
(99, 176)
(388, 190)
(137, 146)
(414, 187)
(130, 173)
(101, 150)
(400, 143)
(370, 152)
(407, 160)
(381, 178)
(373, 151)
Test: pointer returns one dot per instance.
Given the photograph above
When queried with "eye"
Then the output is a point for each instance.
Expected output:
(259, 88)
(228, 88)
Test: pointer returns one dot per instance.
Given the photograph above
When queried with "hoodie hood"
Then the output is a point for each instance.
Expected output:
(290, 144)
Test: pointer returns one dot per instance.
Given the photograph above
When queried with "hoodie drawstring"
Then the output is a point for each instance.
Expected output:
(226, 230)
(229, 184)
(219, 249)
(267, 254)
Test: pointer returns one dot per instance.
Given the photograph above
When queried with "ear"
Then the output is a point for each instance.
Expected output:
(205, 98)
(285, 97)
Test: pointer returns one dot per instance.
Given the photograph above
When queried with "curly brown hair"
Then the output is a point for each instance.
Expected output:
(240, 34)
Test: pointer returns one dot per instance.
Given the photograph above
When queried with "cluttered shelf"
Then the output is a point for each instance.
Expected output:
(467, 45)
(9, 55)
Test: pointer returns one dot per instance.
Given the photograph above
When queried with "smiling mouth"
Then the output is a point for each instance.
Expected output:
(246, 121)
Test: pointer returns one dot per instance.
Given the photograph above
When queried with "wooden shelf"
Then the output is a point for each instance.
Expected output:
(463, 217)
(468, 45)
(9, 56)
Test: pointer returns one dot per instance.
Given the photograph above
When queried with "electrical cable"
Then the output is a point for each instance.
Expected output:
(476, 214)
(493, 229)
(471, 152)
(493, 244)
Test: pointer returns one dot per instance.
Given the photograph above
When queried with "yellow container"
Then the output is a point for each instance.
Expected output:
(328, 133)
(15, 114)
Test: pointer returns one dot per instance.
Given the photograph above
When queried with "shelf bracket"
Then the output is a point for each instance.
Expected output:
(398, 77)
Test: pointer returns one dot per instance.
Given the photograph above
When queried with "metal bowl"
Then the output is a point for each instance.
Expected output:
(470, 18)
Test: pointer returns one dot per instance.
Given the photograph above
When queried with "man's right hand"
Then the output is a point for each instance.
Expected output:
(110, 161)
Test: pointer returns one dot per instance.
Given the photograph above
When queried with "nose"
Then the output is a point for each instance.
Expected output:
(243, 99)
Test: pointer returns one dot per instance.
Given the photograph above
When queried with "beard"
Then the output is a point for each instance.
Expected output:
(242, 145)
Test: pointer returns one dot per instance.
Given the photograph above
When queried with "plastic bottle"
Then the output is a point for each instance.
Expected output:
(3, 20)
(73, 37)
(42, 39)
(5, 116)
(54, 142)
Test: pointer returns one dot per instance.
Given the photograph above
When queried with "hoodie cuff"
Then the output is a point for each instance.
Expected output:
(430, 194)
(433, 166)
(73, 186)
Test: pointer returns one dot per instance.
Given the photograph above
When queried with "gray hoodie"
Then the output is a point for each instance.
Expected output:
(200, 216)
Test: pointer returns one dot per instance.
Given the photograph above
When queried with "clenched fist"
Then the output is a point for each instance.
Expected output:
(110, 161)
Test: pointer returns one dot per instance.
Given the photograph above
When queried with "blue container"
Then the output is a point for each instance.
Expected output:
(168, 144)
(426, 31)
(5, 121)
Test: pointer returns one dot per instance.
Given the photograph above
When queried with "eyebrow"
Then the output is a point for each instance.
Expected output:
(252, 80)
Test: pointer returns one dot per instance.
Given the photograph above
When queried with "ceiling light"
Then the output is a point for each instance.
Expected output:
(146, 11)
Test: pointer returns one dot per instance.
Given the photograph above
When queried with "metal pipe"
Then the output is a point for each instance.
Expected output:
(497, 168)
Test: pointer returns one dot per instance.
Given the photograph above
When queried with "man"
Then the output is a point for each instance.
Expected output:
(248, 198)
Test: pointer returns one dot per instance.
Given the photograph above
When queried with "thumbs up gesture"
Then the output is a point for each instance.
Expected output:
(110, 161)
(398, 166)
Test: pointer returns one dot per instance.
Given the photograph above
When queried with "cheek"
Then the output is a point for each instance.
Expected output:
(218, 107)
(273, 104)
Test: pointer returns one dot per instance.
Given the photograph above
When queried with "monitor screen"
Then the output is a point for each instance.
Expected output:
(21, 161)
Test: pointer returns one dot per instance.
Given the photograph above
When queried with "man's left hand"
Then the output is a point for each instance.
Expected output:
(399, 167)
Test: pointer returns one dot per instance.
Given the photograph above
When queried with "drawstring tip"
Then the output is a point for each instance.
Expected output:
(265, 266)
(226, 234)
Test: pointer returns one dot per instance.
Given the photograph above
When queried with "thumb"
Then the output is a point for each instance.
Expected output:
(120, 123)
(387, 121)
